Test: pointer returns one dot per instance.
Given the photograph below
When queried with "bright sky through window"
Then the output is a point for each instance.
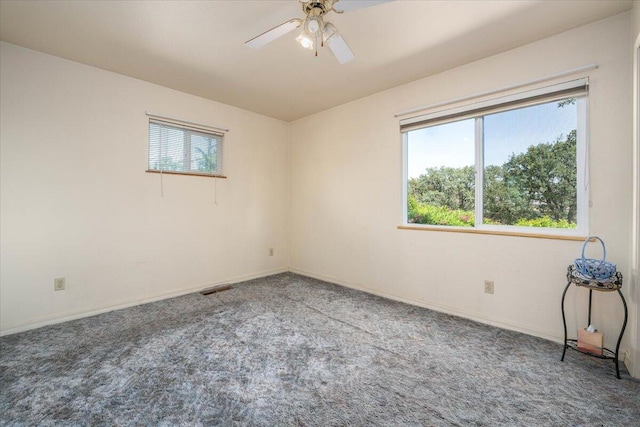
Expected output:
(452, 144)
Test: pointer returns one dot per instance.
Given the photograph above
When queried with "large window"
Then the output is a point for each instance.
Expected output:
(183, 149)
(516, 163)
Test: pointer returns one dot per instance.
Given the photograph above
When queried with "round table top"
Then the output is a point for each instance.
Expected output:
(613, 283)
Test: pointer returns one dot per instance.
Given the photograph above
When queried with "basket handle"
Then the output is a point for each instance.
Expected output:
(604, 249)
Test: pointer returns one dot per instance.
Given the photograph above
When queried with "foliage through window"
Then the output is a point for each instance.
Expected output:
(182, 149)
(516, 165)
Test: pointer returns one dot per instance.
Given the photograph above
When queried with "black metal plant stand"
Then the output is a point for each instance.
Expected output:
(612, 284)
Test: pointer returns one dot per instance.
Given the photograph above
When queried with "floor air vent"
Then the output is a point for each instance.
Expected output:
(215, 289)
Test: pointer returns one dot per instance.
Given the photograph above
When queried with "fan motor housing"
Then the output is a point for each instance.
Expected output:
(317, 8)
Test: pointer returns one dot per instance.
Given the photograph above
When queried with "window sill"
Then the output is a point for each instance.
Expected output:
(206, 175)
(495, 233)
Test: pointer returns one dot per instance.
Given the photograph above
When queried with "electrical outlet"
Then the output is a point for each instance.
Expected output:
(270, 251)
(488, 286)
(58, 284)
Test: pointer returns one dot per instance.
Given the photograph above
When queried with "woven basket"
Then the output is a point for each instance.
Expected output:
(598, 269)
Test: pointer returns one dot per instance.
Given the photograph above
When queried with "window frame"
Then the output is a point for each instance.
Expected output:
(187, 128)
(481, 110)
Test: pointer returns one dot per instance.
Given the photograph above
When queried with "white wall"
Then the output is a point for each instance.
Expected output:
(76, 202)
(346, 196)
(635, 12)
(635, 249)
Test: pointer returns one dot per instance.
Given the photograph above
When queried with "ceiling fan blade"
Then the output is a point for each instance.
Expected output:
(274, 33)
(340, 49)
(347, 5)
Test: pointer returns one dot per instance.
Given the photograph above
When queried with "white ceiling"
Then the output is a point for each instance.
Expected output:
(198, 46)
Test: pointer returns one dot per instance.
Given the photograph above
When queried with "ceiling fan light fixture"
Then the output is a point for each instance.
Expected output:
(305, 40)
(313, 25)
(315, 32)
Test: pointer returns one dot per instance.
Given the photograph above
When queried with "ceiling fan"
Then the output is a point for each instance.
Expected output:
(315, 30)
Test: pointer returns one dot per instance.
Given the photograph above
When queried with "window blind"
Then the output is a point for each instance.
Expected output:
(185, 149)
(573, 88)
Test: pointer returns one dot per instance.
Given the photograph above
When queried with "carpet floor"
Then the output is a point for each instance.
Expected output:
(289, 350)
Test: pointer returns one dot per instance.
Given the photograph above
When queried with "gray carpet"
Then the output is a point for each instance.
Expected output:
(288, 350)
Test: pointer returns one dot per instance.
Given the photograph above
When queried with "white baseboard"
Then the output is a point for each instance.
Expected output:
(65, 317)
(443, 308)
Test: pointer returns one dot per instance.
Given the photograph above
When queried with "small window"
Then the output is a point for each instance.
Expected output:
(503, 165)
(175, 148)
